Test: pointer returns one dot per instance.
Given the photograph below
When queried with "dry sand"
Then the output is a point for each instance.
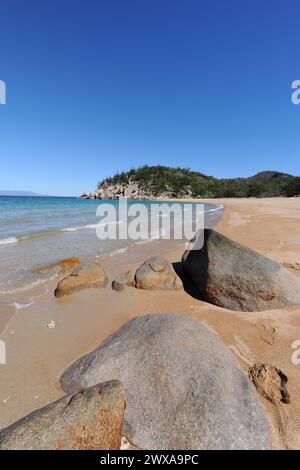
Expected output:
(37, 355)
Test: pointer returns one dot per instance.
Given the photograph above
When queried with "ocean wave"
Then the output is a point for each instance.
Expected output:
(90, 226)
(217, 208)
(79, 227)
(8, 240)
(114, 222)
(143, 242)
(18, 305)
(28, 286)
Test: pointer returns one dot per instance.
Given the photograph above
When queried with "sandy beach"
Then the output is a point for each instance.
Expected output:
(37, 355)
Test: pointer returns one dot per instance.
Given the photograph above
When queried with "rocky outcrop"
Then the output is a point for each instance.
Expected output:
(162, 181)
(183, 387)
(90, 420)
(129, 190)
(156, 273)
(87, 275)
(232, 276)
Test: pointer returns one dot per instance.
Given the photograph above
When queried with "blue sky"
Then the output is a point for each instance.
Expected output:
(99, 86)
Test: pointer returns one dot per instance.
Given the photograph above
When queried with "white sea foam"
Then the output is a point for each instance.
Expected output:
(142, 242)
(18, 306)
(114, 222)
(79, 227)
(217, 208)
(89, 226)
(28, 286)
(8, 240)
(119, 251)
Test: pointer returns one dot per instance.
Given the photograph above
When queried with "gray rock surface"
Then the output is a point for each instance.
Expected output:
(183, 387)
(233, 276)
(157, 273)
(91, 419)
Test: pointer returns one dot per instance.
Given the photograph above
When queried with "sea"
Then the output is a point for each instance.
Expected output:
(36, 231)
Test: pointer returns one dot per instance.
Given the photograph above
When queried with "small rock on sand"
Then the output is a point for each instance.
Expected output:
(157, 273)
(87, 275)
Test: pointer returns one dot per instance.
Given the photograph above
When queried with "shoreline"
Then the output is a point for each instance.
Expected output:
(21, 261)
(84, 319)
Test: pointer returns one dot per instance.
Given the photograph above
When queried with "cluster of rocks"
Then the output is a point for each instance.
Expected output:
(131, 190)
(182, 386)
(221, 271)
(155, 273)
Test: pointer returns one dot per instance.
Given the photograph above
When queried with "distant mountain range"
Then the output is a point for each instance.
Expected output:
(161, 181)
(20, 193)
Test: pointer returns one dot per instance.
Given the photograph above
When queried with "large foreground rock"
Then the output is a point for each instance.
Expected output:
(92, 419)
(183, 387)
(233, 276)
(89, 274)
(157, 273)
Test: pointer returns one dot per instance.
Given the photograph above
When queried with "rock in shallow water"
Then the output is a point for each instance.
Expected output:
(183, 387)
(233, 276)
(63, 266)
(87, 275)
(91, 419)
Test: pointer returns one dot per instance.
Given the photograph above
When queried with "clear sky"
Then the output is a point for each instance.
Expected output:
(97, 86)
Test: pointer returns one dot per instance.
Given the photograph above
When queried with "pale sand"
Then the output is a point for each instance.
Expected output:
(37, 355)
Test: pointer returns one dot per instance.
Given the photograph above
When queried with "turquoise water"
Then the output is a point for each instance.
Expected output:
(35, 231)
(21, 217)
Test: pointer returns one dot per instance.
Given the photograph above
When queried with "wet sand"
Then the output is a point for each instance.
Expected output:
(37, 355)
